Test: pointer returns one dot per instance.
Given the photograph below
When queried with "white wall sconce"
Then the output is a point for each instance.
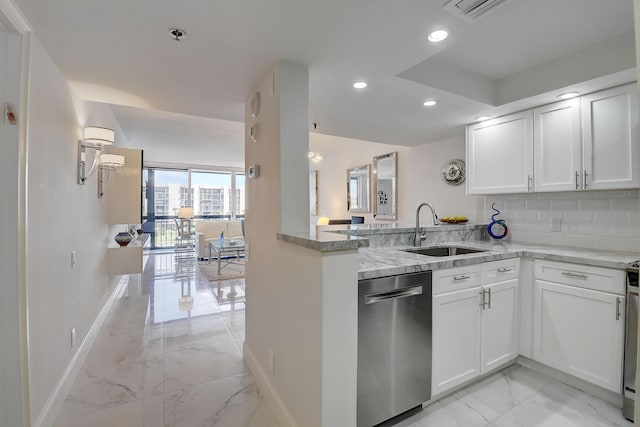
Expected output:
(95, 138)
(108, 164)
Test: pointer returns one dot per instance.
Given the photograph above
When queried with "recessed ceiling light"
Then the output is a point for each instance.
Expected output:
(438, 35)
(429, 103)
(360, 85)
(482, 118)
(177, 34)
(568, 95)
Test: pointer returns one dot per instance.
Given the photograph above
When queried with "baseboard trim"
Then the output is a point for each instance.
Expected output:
(52, 406)
(273, 398)
(575, 382)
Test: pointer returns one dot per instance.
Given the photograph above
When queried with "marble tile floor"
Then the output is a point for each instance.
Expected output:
(518, 397)
(157, 362)
(155, 365)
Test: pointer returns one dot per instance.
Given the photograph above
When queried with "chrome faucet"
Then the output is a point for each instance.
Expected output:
(420, 237)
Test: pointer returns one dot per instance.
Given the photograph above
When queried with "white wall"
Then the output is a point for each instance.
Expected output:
(62, 217)
(420, 180)
(301, 303)
(588, 219)
(419, 177)
(11, 247)
(282, 313)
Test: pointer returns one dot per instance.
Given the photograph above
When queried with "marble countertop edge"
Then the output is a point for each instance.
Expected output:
(390, 261)
(324, 242)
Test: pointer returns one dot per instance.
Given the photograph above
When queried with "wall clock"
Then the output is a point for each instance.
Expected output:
(255, 104)
(453, 172)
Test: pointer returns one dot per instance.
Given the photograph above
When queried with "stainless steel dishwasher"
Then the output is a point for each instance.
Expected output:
(394, 346)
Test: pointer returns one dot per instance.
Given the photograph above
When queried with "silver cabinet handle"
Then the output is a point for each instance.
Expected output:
(503, 270)
(396, 293)
(489, 305)
(584, 182)
(529, 183)
(482, 296)
(463, 277)
(618, 301)
(577, 276)
(577, 175)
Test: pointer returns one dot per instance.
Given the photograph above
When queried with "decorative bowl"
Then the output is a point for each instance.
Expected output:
(123, 238)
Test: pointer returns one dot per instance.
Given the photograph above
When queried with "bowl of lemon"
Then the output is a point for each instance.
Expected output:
(454, 219)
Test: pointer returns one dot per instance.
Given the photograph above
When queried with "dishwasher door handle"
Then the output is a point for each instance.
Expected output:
(396, 293)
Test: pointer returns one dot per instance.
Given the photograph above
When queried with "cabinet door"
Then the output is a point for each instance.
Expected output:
(610, 139)
(499, 325)
(580, 332)
(456, 339)
(499, 155)
(557, 145)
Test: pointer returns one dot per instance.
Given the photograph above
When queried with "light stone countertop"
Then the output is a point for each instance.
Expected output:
(391, 261)
(324, 242)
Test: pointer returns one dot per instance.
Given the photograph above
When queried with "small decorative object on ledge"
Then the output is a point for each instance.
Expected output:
(497, 229)
(453, 172)
(123, 238)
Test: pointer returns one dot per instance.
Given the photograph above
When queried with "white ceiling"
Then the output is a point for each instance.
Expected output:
(119, 51)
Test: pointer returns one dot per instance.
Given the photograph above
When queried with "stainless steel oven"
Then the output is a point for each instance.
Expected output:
(630, 343)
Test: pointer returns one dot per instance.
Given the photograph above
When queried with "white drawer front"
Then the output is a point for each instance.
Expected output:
(582, 276)
(498, 271)
(455, 279)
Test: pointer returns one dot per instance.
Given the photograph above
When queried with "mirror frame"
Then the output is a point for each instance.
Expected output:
(366, 208)
(394, 186)
(313, 193)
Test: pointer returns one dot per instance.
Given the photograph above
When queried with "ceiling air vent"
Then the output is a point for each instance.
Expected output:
(472, 10)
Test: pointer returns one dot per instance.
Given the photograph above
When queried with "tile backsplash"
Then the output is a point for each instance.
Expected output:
(586, 219)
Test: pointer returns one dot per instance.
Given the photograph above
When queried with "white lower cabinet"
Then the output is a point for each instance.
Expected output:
(456, 339)
(499, 325)
(578, 321)
(579, 331)
(474, 329)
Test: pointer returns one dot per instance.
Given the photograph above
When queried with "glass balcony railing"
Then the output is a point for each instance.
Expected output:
(164, 229)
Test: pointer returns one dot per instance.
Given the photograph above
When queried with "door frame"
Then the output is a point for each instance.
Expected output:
(14, 355)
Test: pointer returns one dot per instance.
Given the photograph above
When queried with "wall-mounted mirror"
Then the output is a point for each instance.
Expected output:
(358, 180)
(385, 186)
(313, 193)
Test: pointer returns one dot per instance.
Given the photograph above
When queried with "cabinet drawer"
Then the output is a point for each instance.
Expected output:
(497, 271)
(455, 279)
(582, 276)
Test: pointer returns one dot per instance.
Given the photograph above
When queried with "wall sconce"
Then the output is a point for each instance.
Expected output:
(93, 138)
(108, 163)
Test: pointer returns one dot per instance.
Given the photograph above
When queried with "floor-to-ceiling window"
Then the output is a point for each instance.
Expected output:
(213, 194)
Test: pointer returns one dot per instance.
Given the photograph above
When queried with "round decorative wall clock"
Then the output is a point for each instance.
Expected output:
(255, 104)
(453, 172)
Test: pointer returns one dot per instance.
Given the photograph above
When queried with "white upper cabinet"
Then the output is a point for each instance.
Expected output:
(587, 143)
(499, 155)
(610, 139)
(557, 146)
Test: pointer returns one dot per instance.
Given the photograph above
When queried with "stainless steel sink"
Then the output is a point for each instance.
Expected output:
(444, 251)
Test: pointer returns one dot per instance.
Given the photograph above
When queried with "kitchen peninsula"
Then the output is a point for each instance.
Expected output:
(520, 280)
